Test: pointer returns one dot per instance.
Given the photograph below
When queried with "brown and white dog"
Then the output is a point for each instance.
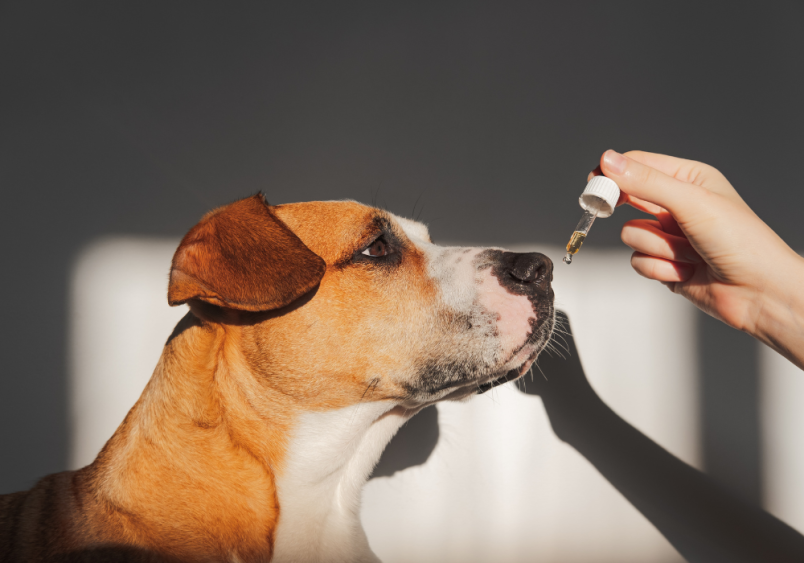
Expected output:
(315, 331)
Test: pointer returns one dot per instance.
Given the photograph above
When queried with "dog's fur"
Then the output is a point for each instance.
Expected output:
(315, 331)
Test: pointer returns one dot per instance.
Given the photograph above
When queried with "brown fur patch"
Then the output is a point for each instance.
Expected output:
(241, 256)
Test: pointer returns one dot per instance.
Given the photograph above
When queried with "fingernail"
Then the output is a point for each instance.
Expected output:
(615, 162)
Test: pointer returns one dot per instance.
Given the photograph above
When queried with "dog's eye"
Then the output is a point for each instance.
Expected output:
(377, 248)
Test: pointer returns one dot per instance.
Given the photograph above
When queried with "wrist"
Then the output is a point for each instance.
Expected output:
(780, 315)
(573, 416)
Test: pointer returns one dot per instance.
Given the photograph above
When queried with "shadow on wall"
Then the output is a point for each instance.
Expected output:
(702, 519)
(411, 446)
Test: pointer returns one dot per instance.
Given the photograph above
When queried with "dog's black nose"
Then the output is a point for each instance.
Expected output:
(529, 268)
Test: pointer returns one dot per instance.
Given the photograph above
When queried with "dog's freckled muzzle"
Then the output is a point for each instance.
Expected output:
(516, 276)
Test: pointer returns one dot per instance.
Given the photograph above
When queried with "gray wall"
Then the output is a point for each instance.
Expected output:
(481, 118)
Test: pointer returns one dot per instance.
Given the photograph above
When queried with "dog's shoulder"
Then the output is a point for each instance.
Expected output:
(26, 521)
(11, 507)
(37, 525)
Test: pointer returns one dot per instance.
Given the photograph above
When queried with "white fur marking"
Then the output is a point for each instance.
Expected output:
(330, 458)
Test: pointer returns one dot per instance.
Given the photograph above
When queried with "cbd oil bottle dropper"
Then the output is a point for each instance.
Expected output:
(598, 200)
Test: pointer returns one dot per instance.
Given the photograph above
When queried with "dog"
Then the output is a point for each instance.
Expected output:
(314, 331)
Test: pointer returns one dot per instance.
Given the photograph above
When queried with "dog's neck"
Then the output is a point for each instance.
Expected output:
(210, 465)
(329, 460)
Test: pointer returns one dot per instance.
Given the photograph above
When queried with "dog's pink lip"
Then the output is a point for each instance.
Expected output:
(528, 364)
(526, 354)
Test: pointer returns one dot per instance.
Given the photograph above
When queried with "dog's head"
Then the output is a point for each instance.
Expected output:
(335, 303)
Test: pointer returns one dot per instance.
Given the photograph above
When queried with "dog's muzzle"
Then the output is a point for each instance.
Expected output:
(529, 274)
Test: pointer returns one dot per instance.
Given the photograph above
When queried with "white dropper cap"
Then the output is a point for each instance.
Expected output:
(600, 196)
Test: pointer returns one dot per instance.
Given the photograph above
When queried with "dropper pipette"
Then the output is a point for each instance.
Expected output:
(598, 200)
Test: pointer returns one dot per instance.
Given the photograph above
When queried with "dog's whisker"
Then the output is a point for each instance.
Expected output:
(541, 370)
(367, 391)
(416, 217)
(560, 355)
(555, 343)
(555, 346)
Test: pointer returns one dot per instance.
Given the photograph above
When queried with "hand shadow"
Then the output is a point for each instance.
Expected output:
(699, 517)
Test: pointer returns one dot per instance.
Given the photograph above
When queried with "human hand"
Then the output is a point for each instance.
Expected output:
(709, 246)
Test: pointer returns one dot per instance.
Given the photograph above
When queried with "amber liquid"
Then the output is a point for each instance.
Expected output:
(574, 245)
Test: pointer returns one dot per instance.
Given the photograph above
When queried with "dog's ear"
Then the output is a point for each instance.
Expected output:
(242, 256)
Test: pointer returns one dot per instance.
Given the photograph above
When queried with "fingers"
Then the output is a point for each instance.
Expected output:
(634, 202)
(648, 237)
(682, 169)
(669, 224)
(641, 204)
(659, 269)
(690, 171)
(648, 184)
(623, 196)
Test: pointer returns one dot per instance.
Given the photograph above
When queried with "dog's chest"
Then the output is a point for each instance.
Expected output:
(329, 459)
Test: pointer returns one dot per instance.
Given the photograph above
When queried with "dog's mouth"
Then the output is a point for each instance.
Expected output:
(454, 380)
(522, 360)
(511, 375)
(530, 350)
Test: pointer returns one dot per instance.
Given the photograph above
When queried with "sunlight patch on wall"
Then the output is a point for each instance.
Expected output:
(119, 322)
(782, 420)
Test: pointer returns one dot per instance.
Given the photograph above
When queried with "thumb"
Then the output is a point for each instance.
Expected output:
(648, 184)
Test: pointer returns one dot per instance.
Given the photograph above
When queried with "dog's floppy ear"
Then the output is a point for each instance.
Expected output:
(244, 257)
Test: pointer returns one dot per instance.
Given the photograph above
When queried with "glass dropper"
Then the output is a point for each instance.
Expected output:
(598, 200)
(581, 230)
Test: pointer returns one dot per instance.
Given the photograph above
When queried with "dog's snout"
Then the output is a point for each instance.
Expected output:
(529, 268)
